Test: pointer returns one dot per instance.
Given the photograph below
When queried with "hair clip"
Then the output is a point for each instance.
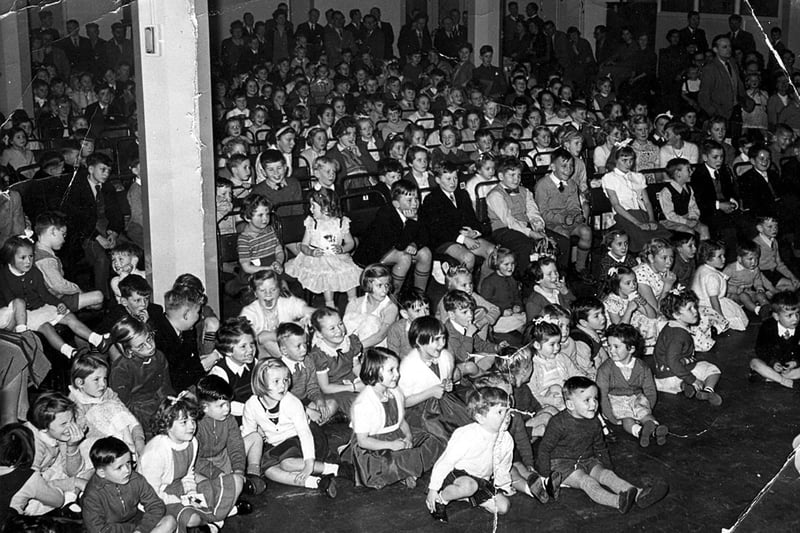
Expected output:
(623, 144)
(677, 291)
(175, 399)
(613, 271)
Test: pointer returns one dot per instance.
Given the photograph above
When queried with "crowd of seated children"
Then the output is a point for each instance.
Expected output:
(266, 383)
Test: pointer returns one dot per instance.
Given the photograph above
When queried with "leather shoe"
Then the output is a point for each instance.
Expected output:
(243, 507)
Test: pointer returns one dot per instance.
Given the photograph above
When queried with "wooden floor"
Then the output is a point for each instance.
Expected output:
(716, 462)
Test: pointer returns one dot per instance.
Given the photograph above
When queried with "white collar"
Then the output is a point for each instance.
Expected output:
(329, 350)
(293, 365)
(235, 367)
(629, 365)
(551, 295)
(676, 324)
(15, 272)
(766, 239)
(458, 327)
(555, 180)
(711, 171)
(782, 330)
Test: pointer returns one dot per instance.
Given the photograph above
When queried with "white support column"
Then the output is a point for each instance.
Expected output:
(485, 22)
(15, 58)
(174, 99)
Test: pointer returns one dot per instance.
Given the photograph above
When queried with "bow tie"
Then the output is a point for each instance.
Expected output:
(512, 191)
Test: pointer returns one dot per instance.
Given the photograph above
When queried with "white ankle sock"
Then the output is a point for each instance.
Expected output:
(67, 350)
(636, 430)
(312, 482)
(21, 328)
(758, 309)
(328, 468)
(95, 339)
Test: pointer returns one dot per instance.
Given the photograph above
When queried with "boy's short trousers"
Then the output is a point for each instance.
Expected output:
(46, 314)
(702, 370)
(71, 301)
(566, 467)
(485, 490)
(772, 275)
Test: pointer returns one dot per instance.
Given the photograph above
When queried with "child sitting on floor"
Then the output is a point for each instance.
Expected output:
(116, 492)
(685, 264)
(337, 358)
(98, 408)
(747, 286)
(711, 285)
(57, 438)
(168, 464)
(125, 260)
(290, 446)
(677, 368)
(627, 389)
(549, 288)
(459, 278)
(140, 377)
(462, 336)
(236, 350)
(551, 368)
(772, 266)
(778, 343)
(221, 450)
(477, 461)
(502, 289)
(589, 317)
(615, 241)
(573, 445)
(625, 305)
(413, 303)
(383, 448)
(370, 316)
(293, 345)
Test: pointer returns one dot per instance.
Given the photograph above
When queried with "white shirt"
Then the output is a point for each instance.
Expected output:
(628, 187)
(478, 452)
(498, 205)
(416, 376)
(237, 408)
(782, 331)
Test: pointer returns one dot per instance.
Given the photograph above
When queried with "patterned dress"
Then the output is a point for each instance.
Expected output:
(708, 282)
(648, 327)
(701, 333)
(330, 271)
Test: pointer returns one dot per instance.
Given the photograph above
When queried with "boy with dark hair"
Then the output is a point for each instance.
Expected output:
(491, 79)
(573, 445)
(135, 301)
(389, 171)
(589, 316)
(462, 335)
(221, 449)
(685, 251)
(778, 344)
(397, 239)
(115, 492)
(746, 285)
(51, 234)
(413, 303)
(94, 218)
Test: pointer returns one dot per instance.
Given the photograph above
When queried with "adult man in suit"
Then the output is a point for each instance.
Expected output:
(721, 88)
(532, 12)
(386, 28)
(314, 34)
(740, 39)
(97, 50)
(337, 39)
(717, 197)
(398, 239)
(119, 48)
(580, 64)
(692, 34)
(374, 41)
(558, 45)
(510, 26)
(94, 218)
(356, 27)
(100, 114)
(415, 37)
(445, 39)
(77, 48)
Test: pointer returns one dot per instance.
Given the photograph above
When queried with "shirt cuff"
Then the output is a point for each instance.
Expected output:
(460, 239)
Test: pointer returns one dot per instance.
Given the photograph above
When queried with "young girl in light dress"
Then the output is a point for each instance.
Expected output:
(99, 409)
(711, 285)
(370, 316)
(625, 305)
(324, 264)
(168, 465)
